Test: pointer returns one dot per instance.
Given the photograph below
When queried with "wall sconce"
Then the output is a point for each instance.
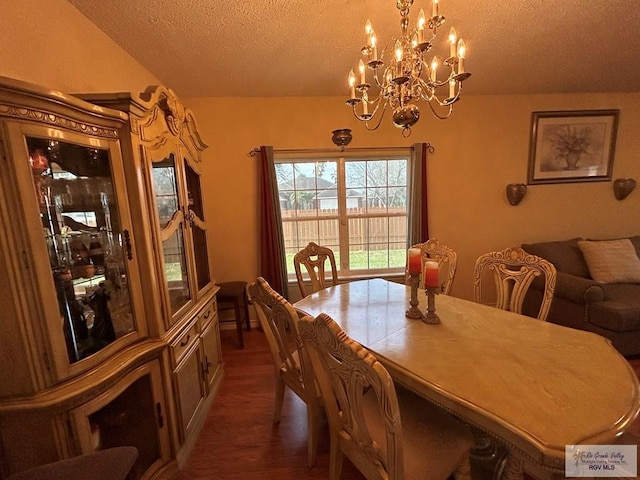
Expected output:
(341, 137)
(516, 192)
(622, 187)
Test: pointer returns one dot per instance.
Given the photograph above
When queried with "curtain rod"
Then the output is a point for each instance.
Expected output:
(256, 150)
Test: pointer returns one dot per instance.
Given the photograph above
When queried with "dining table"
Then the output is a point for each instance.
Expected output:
(531, 386)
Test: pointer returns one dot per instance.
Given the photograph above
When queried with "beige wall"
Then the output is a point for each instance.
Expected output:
(50, 43)
(479, 150)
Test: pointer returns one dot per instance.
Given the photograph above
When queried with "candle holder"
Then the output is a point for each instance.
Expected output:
(430, 315)
(414, 311)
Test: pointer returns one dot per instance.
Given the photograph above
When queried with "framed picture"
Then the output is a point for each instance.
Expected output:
(574, 146)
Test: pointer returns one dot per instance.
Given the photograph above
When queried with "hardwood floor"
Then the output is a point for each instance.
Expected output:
(239, 441)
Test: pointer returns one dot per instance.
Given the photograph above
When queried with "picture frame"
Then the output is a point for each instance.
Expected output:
(572, 146)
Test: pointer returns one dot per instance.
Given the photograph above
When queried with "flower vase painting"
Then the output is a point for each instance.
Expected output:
(575, 146)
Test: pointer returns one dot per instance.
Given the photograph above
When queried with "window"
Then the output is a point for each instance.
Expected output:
(355, 204)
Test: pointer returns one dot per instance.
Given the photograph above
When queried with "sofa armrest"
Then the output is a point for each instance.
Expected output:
(595, 293)
(578, 289)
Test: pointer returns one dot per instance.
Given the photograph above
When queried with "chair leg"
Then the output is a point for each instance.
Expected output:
(277, 412)
(245, 301)
(335, 459)
(313, 432)
(237, 308)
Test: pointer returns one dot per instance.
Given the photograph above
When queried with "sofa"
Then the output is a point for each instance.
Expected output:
(597, 288)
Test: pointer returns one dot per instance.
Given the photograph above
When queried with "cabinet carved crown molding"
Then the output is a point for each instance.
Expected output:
(160, 101)
(32, 114)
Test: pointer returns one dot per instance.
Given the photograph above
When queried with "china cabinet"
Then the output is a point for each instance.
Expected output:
(108, 313)
(162, 137)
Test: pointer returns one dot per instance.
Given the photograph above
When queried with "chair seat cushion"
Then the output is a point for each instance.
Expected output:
(434, 441)
(109, 464)
(620, 311)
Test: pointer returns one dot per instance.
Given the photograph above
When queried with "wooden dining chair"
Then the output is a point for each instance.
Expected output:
(314, 258)
(387, 433)
(279, 321)
(446, 257)
(513, 271)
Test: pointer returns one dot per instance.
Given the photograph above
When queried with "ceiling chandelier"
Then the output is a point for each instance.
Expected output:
(408, 76)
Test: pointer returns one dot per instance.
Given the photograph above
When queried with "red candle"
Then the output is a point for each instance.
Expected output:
(415, 263)
(431, 274)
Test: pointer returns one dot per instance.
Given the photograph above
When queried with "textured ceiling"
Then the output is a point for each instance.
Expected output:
(306, 48)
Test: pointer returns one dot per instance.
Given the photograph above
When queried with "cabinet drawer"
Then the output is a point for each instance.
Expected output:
(183, 343)
(207, 314)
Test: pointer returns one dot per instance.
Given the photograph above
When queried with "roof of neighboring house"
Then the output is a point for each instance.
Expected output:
(326, 188)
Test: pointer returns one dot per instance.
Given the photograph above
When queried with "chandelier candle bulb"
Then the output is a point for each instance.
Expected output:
(352, 84)
(371, 41)
(368, 28)
(452, 88)
(398, 58)
(431, 274)
(434, 68)
(421, 23)
(374, 45)
(361, 68)
(462, 51)
(453, 37)
(435, 8)
(415, 262)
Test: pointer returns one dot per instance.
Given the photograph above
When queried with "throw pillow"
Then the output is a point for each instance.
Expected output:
(611, 261)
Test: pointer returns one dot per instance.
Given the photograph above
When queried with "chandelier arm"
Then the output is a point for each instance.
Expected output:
(366, 123)
(437, 114)
(443, 82)
(375, 100)
(379, 84)
(369, 116)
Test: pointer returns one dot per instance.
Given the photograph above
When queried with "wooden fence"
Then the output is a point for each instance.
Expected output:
(369, 228)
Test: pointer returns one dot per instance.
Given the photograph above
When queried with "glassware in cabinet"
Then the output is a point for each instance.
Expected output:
(87, 246)
(69, 223)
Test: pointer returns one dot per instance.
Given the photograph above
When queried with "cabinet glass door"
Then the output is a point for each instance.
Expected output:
(87, 246)
(130, 419)
(198, 226)
(172, 224)
(129, 413)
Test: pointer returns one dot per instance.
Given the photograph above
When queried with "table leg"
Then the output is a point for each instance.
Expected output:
(488, 456)
(513, 468)
(463, 471)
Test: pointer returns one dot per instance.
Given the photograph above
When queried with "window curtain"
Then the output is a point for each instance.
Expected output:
(273, 266)
(418, 224)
